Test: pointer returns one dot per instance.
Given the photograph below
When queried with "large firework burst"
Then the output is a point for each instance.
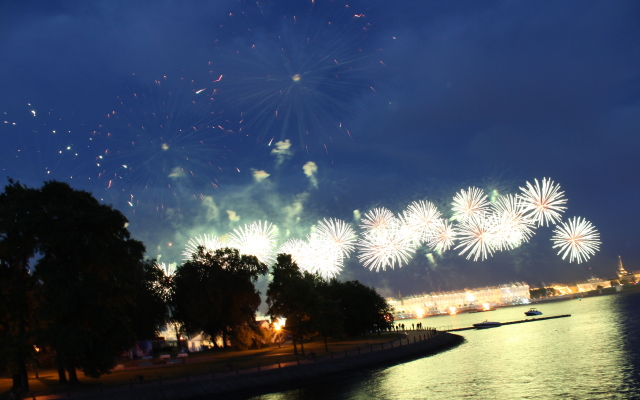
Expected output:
(544, 202)
(209, 243)
(256, 239)
(576, 238)
(510, 227)
(475, 237)
(422, 217)
(469, 203)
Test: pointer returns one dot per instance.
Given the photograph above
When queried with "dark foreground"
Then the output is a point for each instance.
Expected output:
(273, 378)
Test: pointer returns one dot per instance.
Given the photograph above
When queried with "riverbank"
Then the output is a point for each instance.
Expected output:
(276, 377)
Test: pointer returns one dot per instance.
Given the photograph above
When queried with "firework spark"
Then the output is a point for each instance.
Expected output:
(544, 202)
(576, 238)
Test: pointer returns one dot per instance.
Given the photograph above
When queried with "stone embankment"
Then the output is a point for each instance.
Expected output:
(278, 377)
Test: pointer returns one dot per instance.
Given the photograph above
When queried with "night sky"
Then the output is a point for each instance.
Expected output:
(196, 117)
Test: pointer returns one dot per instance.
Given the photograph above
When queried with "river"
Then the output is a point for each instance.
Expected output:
(594, 354)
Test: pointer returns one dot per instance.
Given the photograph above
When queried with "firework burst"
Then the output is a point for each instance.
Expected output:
(386, 242)
(509, 226)
(295, 69)
(544, 202)
(469, 203)
(336, 235)
(444, 236)
(475, 237)
(256, 239)
(576, 238)
(422, 217)
(209, 243)
(161, 145)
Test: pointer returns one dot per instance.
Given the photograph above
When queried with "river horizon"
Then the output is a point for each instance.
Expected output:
(594, 354)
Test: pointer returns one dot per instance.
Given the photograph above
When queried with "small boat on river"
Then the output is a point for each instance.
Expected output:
(532, 312)
(487, 324)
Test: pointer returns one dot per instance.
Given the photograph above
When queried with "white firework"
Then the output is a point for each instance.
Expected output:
(326, 261)
(210, 243)
(544, 202)
(509, 226)
(336, 235)
(388, 246)
(256, 239)
(376, 219)
(422, 217)
(444, 235)
(468, 204)
(300, 252)
(576, 238)
(475, 237)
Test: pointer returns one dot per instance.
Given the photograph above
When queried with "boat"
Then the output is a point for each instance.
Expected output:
(487, 324)
(532, 312)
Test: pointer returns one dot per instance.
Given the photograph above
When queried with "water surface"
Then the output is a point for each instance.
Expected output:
(594, 354)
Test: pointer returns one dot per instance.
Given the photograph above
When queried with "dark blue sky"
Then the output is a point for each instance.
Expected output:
(394, 102)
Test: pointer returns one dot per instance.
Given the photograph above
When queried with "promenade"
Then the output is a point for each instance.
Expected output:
(275, 377)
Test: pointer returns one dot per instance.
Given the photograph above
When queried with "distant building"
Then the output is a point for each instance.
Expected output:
(418, 306)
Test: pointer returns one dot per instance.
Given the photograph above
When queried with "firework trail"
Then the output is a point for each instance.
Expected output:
(544, 202)
(576, 238)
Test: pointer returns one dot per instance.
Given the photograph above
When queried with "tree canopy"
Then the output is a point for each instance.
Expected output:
(215, 294)
(71, 265)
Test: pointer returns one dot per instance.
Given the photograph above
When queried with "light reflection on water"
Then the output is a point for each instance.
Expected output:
(593, 354)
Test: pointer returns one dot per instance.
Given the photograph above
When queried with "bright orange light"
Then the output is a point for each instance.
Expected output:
(452, 310)
(486, 306)
(419, 313)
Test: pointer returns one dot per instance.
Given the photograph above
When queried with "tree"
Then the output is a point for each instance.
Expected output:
(363, 308)
(292, 295)
(18, 286)
(88, 270)
(215, 294)
(149, 313)
(328, 318)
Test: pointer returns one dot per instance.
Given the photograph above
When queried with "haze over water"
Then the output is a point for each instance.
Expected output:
(594, 354)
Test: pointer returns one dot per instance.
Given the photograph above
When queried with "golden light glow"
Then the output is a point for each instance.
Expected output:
(452, 310)
(486, 306)
(419, 313)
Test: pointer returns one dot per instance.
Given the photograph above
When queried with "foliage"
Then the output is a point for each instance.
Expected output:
(363, 308)
(69, 263)
(215, 294)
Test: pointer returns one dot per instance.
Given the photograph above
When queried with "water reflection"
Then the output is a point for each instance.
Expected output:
(592, 354)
